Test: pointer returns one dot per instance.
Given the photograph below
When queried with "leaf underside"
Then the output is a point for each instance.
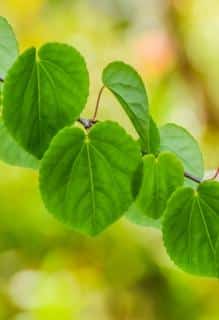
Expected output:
(179, 141)
(136, 215)
(127, 86)
(12, 153)
(8, 47)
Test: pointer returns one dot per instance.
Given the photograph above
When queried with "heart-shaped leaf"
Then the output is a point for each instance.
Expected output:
(43, 92)
(86, 179)
(8, 47)
(127, 86)
(179, 141)
(191, 228)
(161, 177)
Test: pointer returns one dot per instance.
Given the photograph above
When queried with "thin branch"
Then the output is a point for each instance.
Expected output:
(191, 177)
(215, 176)
(86, 123)
(97, 104)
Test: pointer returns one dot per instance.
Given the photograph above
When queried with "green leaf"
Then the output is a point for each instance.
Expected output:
(12, 153)
(43, 92)
(179, 141)
(161, 177)
(86, 179)
(8, 47)
(154, 137)
(1, 86)
(191, 228)
(127, 86)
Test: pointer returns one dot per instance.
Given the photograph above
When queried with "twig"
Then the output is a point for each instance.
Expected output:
(191, 177)
(215, 175)
(86, 123)
(97, 104)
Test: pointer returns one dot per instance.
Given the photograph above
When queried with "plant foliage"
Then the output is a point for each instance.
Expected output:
(91, 172)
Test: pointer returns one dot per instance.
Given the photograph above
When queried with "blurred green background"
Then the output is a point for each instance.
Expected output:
(47, 272)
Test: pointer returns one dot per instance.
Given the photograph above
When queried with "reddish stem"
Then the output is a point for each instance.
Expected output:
(97, 104)
(215, 175)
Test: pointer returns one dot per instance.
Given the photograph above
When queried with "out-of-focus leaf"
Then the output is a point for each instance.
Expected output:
(12, 153)
(8, 47)
(136, 215)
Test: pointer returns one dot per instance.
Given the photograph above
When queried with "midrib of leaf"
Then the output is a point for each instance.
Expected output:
(138, 127)
(27, 85)
(39, 108)
(107, 162)
(128, 86)
(206, 227)
(165, 186)
(157, 176)
(131, 103)
(156, 186)
(213, 211)
(58, 67)
(106, 143)
(72, 172)
(91, 178)
(189, 230)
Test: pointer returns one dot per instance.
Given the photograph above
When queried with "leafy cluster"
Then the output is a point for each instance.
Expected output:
(92, 173)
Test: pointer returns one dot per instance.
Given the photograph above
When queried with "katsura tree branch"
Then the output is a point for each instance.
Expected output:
(98, 104)
(191, 177)
(86, 123)
(195, 179)
(215, 176)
